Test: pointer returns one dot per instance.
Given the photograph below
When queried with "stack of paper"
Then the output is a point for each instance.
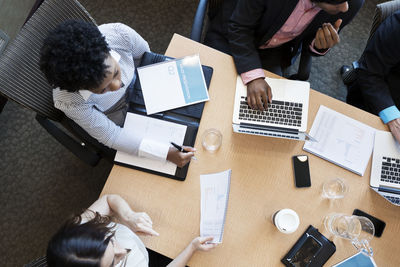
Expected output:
(341, 140)
(214, 202)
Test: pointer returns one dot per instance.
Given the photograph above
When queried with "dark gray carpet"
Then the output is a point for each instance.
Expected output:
(42, 183)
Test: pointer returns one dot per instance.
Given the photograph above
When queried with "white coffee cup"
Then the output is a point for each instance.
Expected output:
(286, 220)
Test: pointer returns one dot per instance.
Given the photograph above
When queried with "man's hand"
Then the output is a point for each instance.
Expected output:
(394, 127)
(140, 222)
(180, 158)
(327, 36)
(258, 94)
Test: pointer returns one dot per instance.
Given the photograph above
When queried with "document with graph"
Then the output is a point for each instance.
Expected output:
(341, 140)
(214, 203)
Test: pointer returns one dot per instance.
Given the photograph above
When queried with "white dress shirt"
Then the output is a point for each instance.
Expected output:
(86, 108)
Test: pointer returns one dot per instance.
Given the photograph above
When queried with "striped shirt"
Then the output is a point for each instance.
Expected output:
(86, 108)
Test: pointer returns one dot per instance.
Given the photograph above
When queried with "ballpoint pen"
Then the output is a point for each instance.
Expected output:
(182, 150)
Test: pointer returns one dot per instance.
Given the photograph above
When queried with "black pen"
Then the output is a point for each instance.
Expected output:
(181, 149)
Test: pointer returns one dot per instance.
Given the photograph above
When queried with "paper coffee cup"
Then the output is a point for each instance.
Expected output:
(286, 220)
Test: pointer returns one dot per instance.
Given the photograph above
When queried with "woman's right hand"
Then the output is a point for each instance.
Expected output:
(200, 243)
(180, 158)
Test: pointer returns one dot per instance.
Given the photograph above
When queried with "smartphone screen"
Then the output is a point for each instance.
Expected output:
(301, 171)
(306, 253)
(378, 224)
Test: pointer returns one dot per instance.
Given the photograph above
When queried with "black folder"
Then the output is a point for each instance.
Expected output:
(188, 115)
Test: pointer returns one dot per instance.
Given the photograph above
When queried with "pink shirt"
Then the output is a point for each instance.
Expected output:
(301, 17)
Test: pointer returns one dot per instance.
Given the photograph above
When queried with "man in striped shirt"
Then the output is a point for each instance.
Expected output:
(90, 69)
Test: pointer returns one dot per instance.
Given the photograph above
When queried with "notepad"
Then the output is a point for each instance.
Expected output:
(214, 202)
(172, 84)
(159, 130)
(358, 260)
(341, 140)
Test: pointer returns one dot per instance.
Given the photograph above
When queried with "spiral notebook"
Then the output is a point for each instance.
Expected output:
(214, 203)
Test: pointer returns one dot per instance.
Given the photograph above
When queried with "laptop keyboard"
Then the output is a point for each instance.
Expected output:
(394, 200)
(390, 171)
(279, 112)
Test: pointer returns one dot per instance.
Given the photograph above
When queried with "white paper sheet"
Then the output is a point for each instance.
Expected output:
(341, 140)
(214, 202)
(163, 131)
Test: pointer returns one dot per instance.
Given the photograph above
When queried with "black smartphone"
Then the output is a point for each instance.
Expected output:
(301, 171)
(379, 224)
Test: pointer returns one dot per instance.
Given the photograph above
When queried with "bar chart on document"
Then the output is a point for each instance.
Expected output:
(214, 201)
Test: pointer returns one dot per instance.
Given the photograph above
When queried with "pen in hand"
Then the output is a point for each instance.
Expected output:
(181, 149)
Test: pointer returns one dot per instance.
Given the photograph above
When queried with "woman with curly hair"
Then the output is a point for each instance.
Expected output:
(105, 235)
(91, 69)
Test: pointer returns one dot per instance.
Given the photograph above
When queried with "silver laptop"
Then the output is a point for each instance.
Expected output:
(286, 116)
(385, 172)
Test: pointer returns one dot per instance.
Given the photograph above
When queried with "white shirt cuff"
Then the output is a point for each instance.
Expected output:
(153, 150)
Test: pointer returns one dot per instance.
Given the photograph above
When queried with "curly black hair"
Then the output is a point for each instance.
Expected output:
(72, 56)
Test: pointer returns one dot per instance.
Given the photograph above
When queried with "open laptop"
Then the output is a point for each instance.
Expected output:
(385, 172)
(286, 116)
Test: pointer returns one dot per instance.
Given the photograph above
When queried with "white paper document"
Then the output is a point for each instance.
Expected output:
(172, 84)
(341, 140)
(159, 130)
(214, 203)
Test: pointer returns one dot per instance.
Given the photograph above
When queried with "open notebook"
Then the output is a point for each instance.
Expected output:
(341, 140)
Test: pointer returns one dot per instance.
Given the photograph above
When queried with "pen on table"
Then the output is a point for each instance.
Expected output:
(181, 149)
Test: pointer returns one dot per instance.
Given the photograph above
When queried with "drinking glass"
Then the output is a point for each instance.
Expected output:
(360, 230)
(211, 139)
(334, 188)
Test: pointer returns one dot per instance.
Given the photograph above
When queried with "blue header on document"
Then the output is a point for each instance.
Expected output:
(192, 79)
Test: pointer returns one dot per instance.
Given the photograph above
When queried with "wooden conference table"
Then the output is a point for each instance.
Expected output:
(262, 182)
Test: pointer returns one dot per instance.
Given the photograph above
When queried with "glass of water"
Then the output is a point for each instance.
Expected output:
(334, 189)
(211, 139)
(360, 230)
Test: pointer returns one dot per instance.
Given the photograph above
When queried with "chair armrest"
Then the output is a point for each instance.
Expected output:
(198, 22)
(68, 142)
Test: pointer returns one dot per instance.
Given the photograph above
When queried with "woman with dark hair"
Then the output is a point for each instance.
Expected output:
(94, 239)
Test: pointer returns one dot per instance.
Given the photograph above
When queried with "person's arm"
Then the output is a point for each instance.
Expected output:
(199, 243)
(379, 57)
(114, 205)
(100, 127)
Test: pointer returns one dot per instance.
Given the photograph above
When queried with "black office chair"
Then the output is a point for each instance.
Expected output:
(382, 11)
(22, 81)
(199, 23)
(3, 43)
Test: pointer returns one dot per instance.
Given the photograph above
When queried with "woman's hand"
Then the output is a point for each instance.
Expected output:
(140, 222)
(180, 158)
(200, 243)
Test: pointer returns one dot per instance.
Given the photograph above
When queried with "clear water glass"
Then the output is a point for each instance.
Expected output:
(360, 230)
(211, 139)
(334, 188)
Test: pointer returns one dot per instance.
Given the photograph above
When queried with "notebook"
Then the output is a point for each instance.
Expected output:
(341, 140)
(385, 171)
(189, 116)
(214, 203)
(286, 116)
(172, 84)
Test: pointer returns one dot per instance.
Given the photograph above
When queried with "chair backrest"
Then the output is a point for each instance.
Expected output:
(3, 41)
(20, 77)
(383, 11)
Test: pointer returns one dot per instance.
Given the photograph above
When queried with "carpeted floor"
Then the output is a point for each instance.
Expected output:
(42, 183)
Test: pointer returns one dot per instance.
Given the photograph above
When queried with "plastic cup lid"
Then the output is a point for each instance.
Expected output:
(287, 221)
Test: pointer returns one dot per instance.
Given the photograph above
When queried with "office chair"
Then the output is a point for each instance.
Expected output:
(22, 81)
(303, 72)
(382, 11)
(3, 43)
